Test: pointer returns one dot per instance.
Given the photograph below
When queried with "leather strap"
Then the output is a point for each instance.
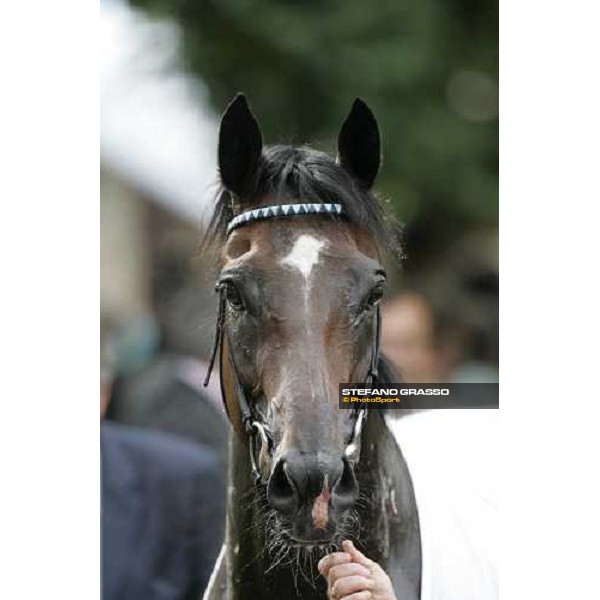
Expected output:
(236, 403)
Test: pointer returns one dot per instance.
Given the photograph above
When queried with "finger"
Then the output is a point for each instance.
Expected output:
(338, 571)
(357, 555)
(350, 585)
(358, 596)
(335, 558)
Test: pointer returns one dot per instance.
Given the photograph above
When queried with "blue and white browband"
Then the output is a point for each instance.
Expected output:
(283, 210)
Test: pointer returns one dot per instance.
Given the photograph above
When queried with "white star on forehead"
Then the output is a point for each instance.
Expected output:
(305, 254)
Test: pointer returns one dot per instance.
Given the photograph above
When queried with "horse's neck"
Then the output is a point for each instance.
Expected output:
(389, 527)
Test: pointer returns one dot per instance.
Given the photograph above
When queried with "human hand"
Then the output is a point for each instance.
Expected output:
(352, 576)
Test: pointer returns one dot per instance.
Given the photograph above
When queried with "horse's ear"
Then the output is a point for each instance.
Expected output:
(359, 144)
(240, 146)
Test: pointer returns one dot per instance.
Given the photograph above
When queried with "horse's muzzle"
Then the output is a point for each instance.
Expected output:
(321, 488)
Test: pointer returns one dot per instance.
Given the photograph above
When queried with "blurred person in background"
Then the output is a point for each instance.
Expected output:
(166, 394)
(163, 515)
(407, 338)
(441, 344)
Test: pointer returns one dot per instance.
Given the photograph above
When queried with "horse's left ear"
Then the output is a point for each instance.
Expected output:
(359, 144)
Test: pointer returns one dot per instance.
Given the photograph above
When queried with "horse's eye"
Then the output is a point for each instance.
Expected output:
(375, 296)
(233, 296)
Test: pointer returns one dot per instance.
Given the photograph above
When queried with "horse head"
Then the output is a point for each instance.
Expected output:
(300, 280)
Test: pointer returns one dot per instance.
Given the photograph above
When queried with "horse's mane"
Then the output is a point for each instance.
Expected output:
(289, 174)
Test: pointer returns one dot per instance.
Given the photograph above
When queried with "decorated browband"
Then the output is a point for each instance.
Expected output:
(282, 210)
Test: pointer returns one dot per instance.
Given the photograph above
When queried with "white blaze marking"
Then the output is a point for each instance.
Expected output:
(305, 254)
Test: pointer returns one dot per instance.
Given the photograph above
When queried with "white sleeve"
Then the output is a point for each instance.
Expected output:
(452, 456)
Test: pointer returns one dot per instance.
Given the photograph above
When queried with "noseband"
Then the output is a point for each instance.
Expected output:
(257, 431)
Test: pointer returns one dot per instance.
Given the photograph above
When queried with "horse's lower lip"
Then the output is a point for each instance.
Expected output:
(319, 542)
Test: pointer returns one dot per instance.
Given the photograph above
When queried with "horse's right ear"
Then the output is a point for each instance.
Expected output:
(240, 146)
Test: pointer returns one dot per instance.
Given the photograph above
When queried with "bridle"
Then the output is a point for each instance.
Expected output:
(258, 432)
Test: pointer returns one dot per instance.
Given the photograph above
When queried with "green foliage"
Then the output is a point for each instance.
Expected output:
(428, 68)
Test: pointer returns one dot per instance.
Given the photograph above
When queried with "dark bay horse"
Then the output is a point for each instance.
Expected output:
(300, 238)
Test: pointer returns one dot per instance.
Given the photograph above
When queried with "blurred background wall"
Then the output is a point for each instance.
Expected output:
(429, 70)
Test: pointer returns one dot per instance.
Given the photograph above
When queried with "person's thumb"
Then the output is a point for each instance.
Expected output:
(357, 555)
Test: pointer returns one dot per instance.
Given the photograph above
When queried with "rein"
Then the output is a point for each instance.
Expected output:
(258, 431)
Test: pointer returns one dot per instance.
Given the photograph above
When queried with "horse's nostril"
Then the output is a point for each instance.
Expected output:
(345, 491)
(280, 490)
